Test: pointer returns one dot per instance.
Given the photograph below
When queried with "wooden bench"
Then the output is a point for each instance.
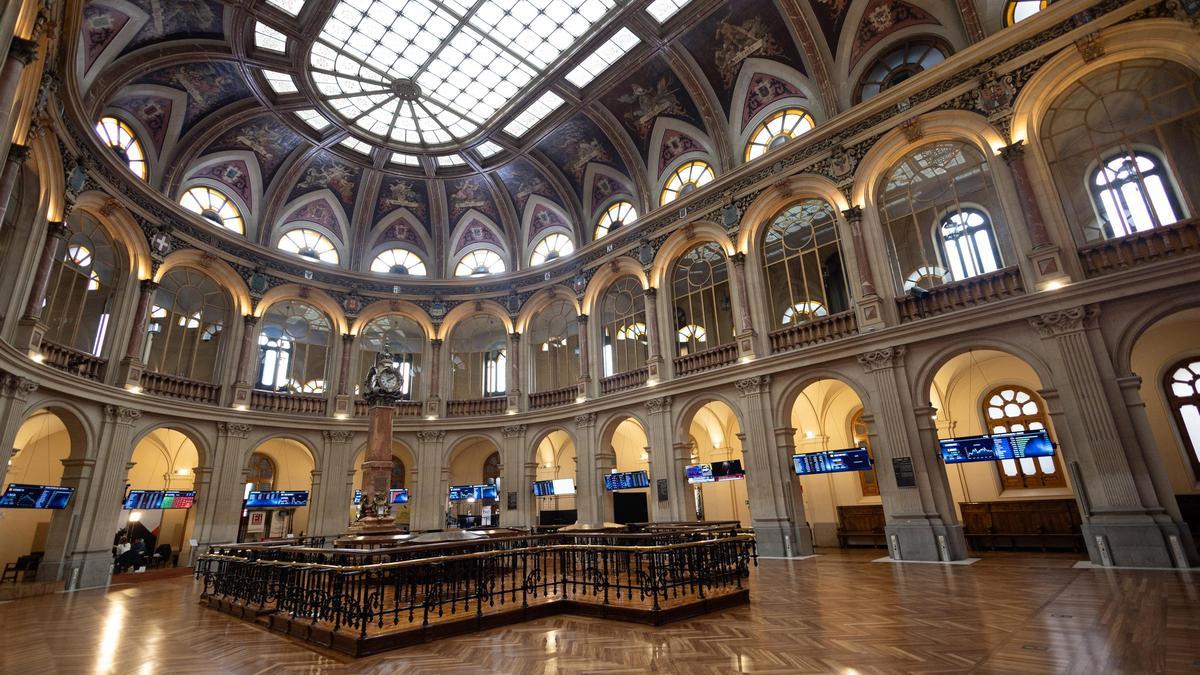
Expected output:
(1039, 524)
(861, 525)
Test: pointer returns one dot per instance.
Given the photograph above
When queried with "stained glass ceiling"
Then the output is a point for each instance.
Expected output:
(433, 72)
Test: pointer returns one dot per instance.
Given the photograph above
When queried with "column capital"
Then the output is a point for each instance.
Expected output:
(738, 258)
(514, 430)
(249, 320)
(57, 229)
(1064, 321)
(431, 436)
(435, 342)
(23, 50)
(347, 339)
(583, 319)
(1013, 152)
(585, 421)
(338, 435)
(148, 285)
(18, 153)
(888, 357)
(658, 406)
(17, 387)
(750, 386)
(121, 415)
(651, 292)
(853, 214)
(233, 429)
(515, 336)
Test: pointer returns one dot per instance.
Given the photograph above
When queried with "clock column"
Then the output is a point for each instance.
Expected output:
(377, 468)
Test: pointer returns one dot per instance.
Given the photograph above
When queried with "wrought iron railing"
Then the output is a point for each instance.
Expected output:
(1157, 244)
(626, 380)
(72, 361)
(182, 388)
(814, 332)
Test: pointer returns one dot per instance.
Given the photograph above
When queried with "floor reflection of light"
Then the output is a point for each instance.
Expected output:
(552, 642)
(110, 637)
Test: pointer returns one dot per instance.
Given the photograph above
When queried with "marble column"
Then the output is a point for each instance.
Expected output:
(17, 154)
(683, 501)
(132, 365)
(30, 328)
(14, 390)
(514, 371)
(428, 506)
(377, 466)
(245, 367)
(870, 308)
(433, 403)
(654, 358)
(791, 494)
(585, 370)
(743, 328)
(589, 487)
(662, 461)
(514, 457)
(20, 54)
(64, 525)
(1047, 264)
(91, 560)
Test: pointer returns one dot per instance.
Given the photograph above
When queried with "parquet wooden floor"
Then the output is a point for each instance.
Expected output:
(839, 612)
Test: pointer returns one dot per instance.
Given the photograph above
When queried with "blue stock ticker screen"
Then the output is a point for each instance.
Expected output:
(832, 461)
(992, 447)
(276, 499)
(20, 496)
(629, 480)
(462, 493)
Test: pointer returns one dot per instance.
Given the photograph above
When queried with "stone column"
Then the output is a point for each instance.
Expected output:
(589, 487)
(17, 154)
(662, 461)
(870, 307)
(219, 505)
(91, 561)
(377, 465)
(514, 377)
(919, 524)
(132, 365)
(1045, 255)
(1121, 524)
(683, 502)
(743, 328)
(343, 405)
(30, 328)
(433, 403)
(14, 389)
(65, 524)
(428, 506)
(514, 458)
(245, 368)
(585, 369)
(21, 53)
(654, 356)
(776, 514)
(329, 518)
(791, 493)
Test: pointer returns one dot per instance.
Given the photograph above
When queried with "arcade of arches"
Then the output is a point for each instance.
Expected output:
(922, 221)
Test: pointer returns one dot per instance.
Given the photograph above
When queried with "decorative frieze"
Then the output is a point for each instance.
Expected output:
(338, 435)
(15, 386)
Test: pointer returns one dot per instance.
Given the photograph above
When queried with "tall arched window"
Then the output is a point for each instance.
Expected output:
(899, 64)
(942, 215)
(551, 247)
(293, 348)
(1013, 408)
(868, 480)
(1019, 10)
(261, 472)
(554, 347)
(802, 262)
(1119, 141)
(777, 130)
(623, 340)
(83, 286)
(701, 300)
(398, 261)
(478, 358)
(406, 342)
(119, 138)
(685, 180)
(309, 244)
(615, 217)
(187, 321)
(1182, 385)
(478, 263)
(213, 205)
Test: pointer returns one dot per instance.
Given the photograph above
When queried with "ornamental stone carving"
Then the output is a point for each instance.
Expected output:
(1064, 321)
(659, 405)
(234, 429)
(338, 436)
(121, 415)
(585, 421)
(15, 386)
(514, 431)
(431, 436)
(889, 357)
(750, 386)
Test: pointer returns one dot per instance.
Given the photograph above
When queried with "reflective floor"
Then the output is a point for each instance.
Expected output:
(838, 612)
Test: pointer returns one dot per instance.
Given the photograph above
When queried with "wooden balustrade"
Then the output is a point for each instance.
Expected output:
(1160, 243)
(706, 360)
(626, 380)
(556, 397)
(478, 406)
(813, 332)
(174, 386)
(403, 408)
(998, 285)
(280, 402)
(74, 362)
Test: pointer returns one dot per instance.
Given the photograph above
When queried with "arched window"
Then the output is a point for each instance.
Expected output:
(478, 358)
(82, 287)
(309, 244)
(1120, 142)
(398, 261)
(1019, 10)
(1132, 193)
(186, 324)
(214, 206)
(551, 247)
(868, 480)
(615, 217)
(623, 327)
(398, 472)
(261, 472)
(1182, 385)
(1012, 408)
(802, 262)
(119, 137)
(701, 300)
(942, 215)
(293, 347)
(478, 263)
(554, 347)
(777, 130)
(899, 64)
(686, 179)
(406, 342)
(968, 245)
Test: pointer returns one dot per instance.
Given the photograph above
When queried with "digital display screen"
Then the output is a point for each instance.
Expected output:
(267, 499)
(699, 473)
(462, 493)
(396, 495)
(554, 488)
(19, 496)
(159, 499)
(992, 447)
(832, 461)
(628, 480)
(730, 469)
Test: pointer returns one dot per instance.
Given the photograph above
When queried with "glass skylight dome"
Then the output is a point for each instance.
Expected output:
(433, 72)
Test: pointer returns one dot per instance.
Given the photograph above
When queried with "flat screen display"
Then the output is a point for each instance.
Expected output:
(699, 473)
(628, 480)
(397, 496)
(832, 461)
(992, 447)
(462, 493)
(554, 488)
(730, 469)
(159, 499)
(20, 496)
(276, 499)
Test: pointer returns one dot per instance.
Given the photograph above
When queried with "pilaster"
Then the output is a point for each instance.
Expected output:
(654, 358)
(662, 461)
(428, 511)
(869, 305)
(219, 507)
(91, 561)
(744, 324)
(588, 480)
(14, 390)
(514, 457)
(1045, 255)
(327, 516)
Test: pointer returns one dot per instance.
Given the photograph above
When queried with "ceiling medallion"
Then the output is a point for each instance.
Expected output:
(405, 89)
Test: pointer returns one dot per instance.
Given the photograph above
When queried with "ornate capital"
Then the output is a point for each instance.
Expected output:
(121, 415)
(515, 337)
(17, 153)
(583, 319)
(57, 229)
(1013, 152)
(655, 406)
(431, 436)
(338, 435)
(738, 258)
(514, 430)
(234, 429)
(148, 286)
(651, 292)
(1064, 321)
(435, 343)
(15, 386)
(23, 50)
(879, 359)
(853, 214)
(347, 339)
(753, 385)
(585, 421)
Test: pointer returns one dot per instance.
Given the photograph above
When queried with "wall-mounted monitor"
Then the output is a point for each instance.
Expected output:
(832, 461)
(730, 469)
(276, 499)
(554, 488)
(463, 493)
(159, 499)
(21, 496)
(699, 473)
(396, 496)
(992, 447)
(628, 480)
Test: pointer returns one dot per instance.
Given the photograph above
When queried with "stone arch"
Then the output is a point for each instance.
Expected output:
(790, 390)
(467, 438)
(692, 234)
(123, 229)
(608, 426)
(307, 295)
(251, 210)
(1143, 319)
(543, 434)
(466, 310)
(213, 267)
(403, 308)
(309, 446)
(690, 406)
(82, 432)
(540, 301)
(774, 199)
(605, 275)
(925, 372)
(190, 430)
